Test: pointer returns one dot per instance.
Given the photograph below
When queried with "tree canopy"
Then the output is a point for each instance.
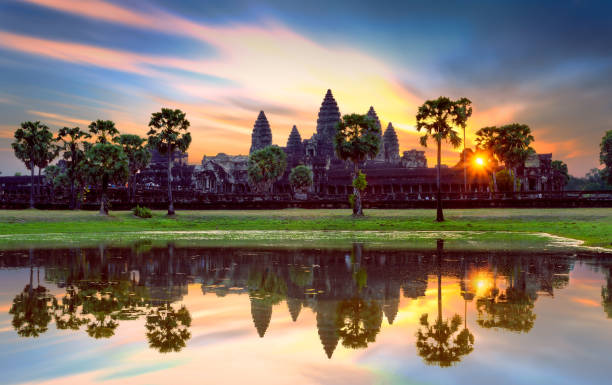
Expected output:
(265, 167)
(300, 178)
(605, 155)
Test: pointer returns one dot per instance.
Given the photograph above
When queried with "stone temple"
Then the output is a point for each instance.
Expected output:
(388, 174)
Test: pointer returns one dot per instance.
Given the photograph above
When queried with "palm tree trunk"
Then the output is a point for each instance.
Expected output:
(103, 209)
(170, 202)
(38, 183)
(464, 166)
(439, 213)
(31, 184)
(357, 210)
(72, 203)
(440, 247)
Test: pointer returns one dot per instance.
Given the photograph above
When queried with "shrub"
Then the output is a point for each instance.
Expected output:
(142, 212)
(351, 199)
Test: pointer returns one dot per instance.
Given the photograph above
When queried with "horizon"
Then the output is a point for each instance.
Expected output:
(67, 62)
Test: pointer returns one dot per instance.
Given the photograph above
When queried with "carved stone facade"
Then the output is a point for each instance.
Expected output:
(414, 159)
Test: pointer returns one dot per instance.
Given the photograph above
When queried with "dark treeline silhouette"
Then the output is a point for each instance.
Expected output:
(351, 291)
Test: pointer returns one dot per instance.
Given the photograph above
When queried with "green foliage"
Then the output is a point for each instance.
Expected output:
(266, 166)
(594, 180)
(105, 130)
(511, 310)
(437, 118)
(351, 199)
(561, 168)
(300, 178)
(142, 212)
(17, 173)
(360, 182)
(605, 155)
(30, 311)
(168, 131)
(357, 138)
(72, 144)
(138, 154)
(505, 181)
(509, 143)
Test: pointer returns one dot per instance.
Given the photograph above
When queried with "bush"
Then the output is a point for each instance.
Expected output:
(351, 199)
(142, 212)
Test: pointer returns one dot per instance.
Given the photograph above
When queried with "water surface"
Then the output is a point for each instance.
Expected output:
(155, 314)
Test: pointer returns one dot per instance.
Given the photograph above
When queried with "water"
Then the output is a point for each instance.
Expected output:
(354, 314)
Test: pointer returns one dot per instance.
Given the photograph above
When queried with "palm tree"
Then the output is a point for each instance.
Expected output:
(29, 140)
(357, 138)
(514, 141)
(138, 155)
(168, 133)
(71, 139)
(168, 329)
(438, 118)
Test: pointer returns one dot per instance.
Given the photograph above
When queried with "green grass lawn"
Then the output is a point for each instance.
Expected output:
(591, 225)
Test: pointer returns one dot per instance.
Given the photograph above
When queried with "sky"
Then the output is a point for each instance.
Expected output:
(547, 64)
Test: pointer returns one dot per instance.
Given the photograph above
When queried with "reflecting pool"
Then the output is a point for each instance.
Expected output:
(156, 314)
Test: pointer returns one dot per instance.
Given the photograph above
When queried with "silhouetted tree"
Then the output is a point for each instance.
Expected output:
(168, 133)
(300, 178)
(605, 155)
(438, 118)
(359, 322)
(31, 140)
(138, 155)
(71, 140)
(357, 138)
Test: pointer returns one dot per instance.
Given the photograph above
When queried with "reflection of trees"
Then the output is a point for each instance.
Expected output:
(435, 342)
(606, 294)
(168, 329)
(30, 308)
(359, 322)
(510, 309)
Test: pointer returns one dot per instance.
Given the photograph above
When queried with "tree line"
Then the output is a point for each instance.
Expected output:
(100, 156)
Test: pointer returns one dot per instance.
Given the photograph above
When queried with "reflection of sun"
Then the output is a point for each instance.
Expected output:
(479, 161)
(482, 282)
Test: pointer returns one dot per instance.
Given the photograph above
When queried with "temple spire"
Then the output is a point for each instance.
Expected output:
(381, 152)
(262, 134)
(391, 145)
(329, 115)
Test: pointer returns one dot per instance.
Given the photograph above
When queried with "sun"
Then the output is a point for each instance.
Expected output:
(479, 161)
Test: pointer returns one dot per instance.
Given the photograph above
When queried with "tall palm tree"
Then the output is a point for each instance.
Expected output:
(438, 118)
(71, 139)
(514, 142)
(31, 140)
(168, 133)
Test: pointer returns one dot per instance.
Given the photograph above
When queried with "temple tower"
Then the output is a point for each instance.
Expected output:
(327, 325)
(262, 135)
(381, 151)
(261, 311)
(391, 145)
(329, 116)
(295, 148)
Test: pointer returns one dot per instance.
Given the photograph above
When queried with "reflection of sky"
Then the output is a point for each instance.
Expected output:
(569, 344)
(547, 64)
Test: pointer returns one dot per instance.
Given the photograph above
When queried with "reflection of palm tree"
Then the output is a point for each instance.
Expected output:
(31, 308)
(65, 312)
(168, 329)
(358, 322)
(434, 341)
(606, 294)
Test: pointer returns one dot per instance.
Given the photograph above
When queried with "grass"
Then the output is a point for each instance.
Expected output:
(591, 225)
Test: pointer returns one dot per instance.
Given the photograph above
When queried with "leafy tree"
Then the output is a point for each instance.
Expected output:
(357, 138)
(168, 133)
(434, 340)
(300, 178)
(48, 151)
(168, 329)
(560, 167)
(31, 140)
(266, 166)
(511, 310)
(505, 181)
(487, 141)
(439, 118)
(71, 140)
(510, 143)
(358, 322)
(605, 155)
(105, 163)
(56, 178)
(606, 293)
(138, 155)
(104, 130)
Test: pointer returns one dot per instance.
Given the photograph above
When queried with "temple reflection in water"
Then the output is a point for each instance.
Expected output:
(350, 290)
